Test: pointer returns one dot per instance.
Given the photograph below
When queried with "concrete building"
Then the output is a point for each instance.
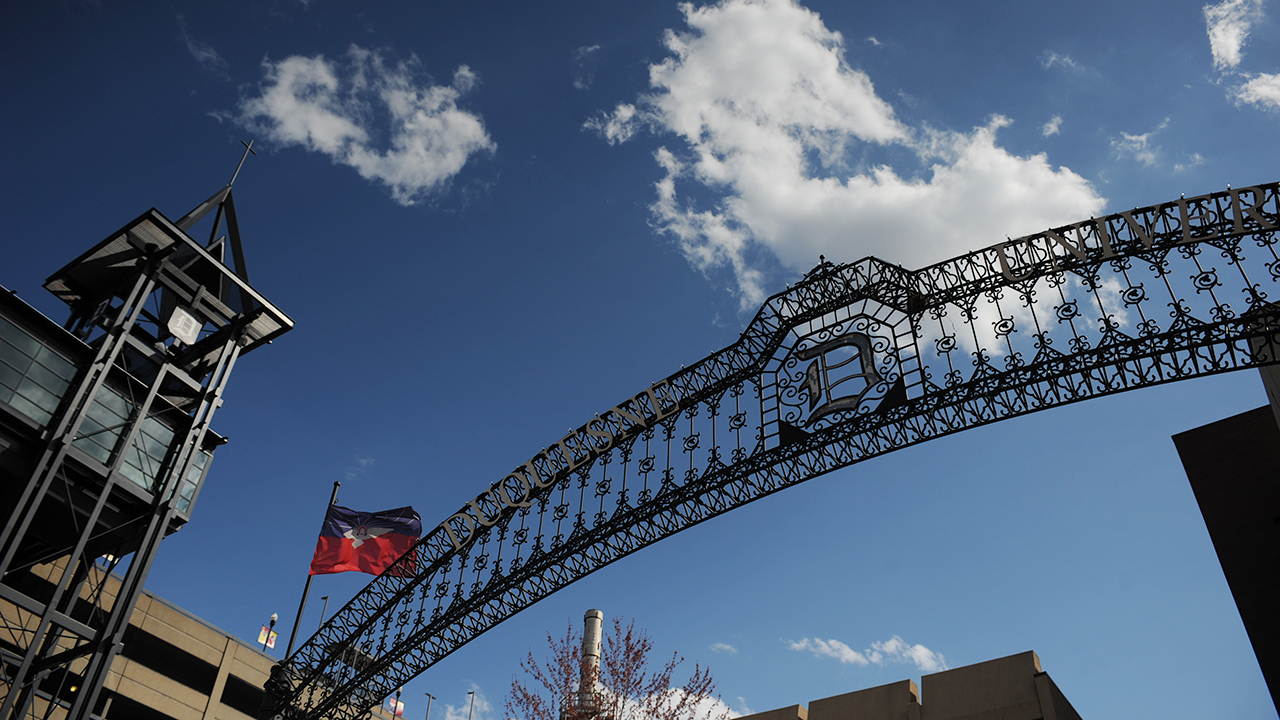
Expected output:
(175, 666)
(1232, 465)
(1009, 688)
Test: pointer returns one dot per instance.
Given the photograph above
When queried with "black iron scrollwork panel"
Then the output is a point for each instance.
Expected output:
(836, 368)
(852, 362)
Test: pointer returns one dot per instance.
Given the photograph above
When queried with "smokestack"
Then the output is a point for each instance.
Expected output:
(592, 626)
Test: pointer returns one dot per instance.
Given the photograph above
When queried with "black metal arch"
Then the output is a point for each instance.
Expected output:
(852, 362)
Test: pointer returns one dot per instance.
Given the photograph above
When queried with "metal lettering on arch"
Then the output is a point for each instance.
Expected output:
(852, 362)
(818, 382)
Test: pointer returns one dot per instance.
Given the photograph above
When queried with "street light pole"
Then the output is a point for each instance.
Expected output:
(430, 697)
(472, 693)
(267, 639)
(324, 609)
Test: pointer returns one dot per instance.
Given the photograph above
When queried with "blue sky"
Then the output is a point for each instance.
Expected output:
(491, 221)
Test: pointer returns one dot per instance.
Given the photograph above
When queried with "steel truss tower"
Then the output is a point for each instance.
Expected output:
(105, 438)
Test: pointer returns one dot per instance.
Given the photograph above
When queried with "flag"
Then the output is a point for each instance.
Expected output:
(267, 637)
(365, 542)
(395, 706)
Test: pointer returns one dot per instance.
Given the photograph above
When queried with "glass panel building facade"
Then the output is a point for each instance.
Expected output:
(34, 377)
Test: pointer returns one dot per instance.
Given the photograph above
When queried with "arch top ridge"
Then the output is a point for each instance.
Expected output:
(1085, 243)
(827, 287)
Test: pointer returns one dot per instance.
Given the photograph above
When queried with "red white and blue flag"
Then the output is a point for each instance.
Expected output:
(366, 542)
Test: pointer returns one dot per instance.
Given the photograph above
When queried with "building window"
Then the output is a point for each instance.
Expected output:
(123, 708)
(33, 377)
(242, 696)
(169, 660)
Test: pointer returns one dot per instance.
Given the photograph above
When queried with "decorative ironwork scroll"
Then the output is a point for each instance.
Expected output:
(852, 362)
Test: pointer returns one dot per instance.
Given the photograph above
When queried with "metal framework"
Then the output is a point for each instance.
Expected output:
(852, 362)
(117, 461)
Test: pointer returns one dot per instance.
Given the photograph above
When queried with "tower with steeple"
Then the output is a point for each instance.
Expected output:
(106, 438)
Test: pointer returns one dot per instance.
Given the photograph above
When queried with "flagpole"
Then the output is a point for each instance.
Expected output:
(307, 588)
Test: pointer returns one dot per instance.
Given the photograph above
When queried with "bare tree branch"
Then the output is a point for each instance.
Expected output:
(626, 687)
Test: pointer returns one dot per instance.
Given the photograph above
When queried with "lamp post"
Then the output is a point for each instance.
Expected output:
(472, 693)
(267, 639)
(430, 697)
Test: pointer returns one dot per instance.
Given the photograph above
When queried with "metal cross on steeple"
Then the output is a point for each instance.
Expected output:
(248, 148)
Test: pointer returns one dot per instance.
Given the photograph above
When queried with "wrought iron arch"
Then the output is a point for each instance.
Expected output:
(852, 362)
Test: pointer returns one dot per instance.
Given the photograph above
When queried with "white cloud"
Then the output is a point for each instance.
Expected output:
(1135, 146)
(1051, 59)
(584, 66)
(894, 650)
(618, 126)
(832, 649)
(871, 39)
(1263, 91)
(724, 648)
(203, 52)
(1194, 160)
(769, 117)
(483, 708)
(330, 108)
(705, 708)
(1228, 26)
(1052, 127)
(672, 703)
(1138, 147)
(361, 467)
